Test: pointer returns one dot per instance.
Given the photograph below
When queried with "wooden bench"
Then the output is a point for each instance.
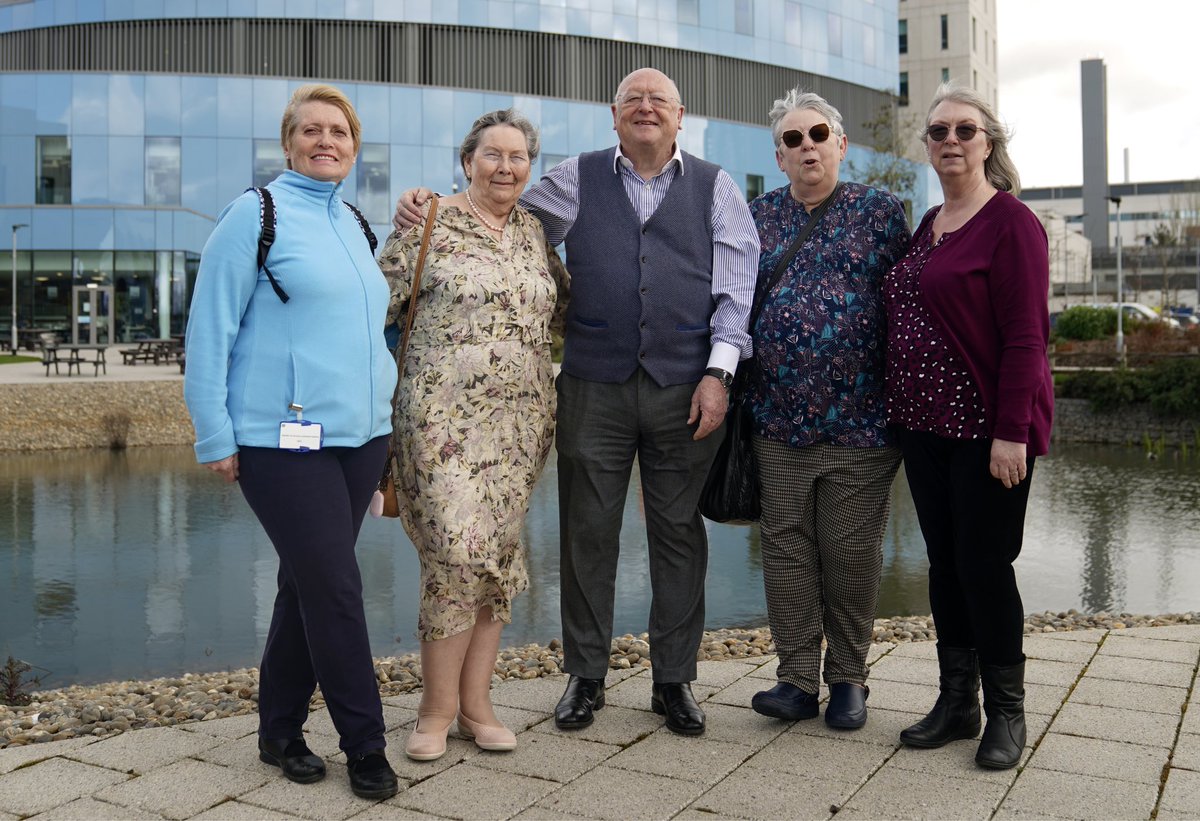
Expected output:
(51, 356)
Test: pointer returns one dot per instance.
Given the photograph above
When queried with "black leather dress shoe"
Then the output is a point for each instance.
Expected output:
(292, 755)
(847, 707)
(371, 775)
(676, 702)
(582, 697)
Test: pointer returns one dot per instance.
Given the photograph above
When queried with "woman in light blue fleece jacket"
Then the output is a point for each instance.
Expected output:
(301, 339)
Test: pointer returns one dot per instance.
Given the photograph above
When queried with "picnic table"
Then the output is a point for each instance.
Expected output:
(151, 350)
(74, 355)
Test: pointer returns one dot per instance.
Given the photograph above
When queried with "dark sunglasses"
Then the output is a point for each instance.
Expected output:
(819, 133)
(964, 132)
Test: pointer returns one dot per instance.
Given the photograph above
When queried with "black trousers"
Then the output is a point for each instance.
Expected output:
(312, 505)
(973, 528)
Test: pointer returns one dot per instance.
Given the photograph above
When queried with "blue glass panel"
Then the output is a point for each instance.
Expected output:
(468, 106)
(406, 108)
(163, 229)
(182, 8)
(126, 106)
(89, 104)
(199, 183)
(270, 99)
(53, 104)
(437, 170)
(420, 11)
(531, 107)
(438, 120)
(393, 12)
(134, 230)
(350, 188)
(16, 216)
(89, 170)
(525, 16)
(126, 170)
(234, 169)
(361, 9)
(93, 228)
(17, 160)
(500, 15)
(555, 121)
(163, 105)
(199, 113)
(406, 169)
(444, 11)
(23, 16)
(52, 229)
(375, 113)
(300, 9)
(600, 23)
(17, 104)
(270, 8)
(474, 12)
(117, 9)
(625, 27)
(552, 20)
(234, 104)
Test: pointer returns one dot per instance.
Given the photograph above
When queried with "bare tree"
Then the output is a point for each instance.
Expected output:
(890, 134)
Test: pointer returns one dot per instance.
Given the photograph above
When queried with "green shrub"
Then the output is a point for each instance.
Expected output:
(1170, 387)
(1084, 322)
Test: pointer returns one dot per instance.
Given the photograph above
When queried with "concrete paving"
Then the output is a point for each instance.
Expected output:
(1114, 732)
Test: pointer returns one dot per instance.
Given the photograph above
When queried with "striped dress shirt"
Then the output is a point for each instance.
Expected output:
(555, 200)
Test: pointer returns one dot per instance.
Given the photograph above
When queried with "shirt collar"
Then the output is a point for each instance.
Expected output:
(620, 159)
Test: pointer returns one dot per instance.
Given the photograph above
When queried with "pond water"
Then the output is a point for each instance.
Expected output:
(139, 563)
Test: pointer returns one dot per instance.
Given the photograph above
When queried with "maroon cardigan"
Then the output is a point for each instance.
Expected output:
(987, 285)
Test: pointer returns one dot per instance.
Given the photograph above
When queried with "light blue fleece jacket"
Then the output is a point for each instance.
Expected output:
(249, 355)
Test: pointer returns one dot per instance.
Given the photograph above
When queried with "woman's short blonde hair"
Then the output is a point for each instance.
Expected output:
(318, 93)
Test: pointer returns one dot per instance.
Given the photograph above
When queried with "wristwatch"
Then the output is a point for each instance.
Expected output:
(721, 375)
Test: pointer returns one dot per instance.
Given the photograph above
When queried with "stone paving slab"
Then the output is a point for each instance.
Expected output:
(1181, 795)
(327, 798)
(49, 784)
(1141, 671)
(769, 670)
(1054, 673)
(1172, 632)
(1049, 794)
(183, 789)
(557, 757)
(895, 793)
(83, 809)
(12, 758)
(882, 728)
(634, 693)
(1054, 648)
(833, 759)
(237, 811)
(613, 725)
(1146, 697)
(474, 792)
(1142, 647)
(956, 759)
(1090, 636)
(614, 794)
(1187, 754)
(916, 649)
(716, 675)
(1191, 720)
(741, 725)
(1133, 727)
(688, 759)
(390, 812)
(144, 750)
(904, 669)
(762, 793)
(234, 727)
(1099, 758)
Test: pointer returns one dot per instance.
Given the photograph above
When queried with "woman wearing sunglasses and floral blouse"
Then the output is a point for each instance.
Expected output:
(816, 389)
(970, 395)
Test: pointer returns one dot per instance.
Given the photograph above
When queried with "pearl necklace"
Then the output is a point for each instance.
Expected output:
(499, 229)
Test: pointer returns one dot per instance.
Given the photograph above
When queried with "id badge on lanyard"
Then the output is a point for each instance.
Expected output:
(300, 436)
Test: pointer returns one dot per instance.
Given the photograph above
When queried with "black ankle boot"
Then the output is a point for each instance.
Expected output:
(955, 714)
(1004, 704)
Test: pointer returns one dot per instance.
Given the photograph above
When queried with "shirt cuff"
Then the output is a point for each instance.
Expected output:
(724, 356)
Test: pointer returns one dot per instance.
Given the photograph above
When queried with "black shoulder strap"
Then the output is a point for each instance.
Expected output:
(266, 236)
(366, 228)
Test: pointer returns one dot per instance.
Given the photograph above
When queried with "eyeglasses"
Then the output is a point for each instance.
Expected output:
(819, 133)
(656, 100)
(964, 132)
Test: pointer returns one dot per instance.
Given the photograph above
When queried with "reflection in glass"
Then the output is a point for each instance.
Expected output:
(835, 34)
(743, 16)
(134, 281)
(54, 170)
(374, 170)
(754, 186)
(162, 171)
(51, 290)
(269, 161)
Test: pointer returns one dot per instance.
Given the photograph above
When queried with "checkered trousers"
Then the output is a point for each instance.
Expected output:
(824, 511)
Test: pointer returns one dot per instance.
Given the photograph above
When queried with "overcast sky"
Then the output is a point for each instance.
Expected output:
(1151, 49)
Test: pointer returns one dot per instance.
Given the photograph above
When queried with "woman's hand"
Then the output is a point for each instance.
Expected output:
(227, 468)
(408, 208)
(1008, 462)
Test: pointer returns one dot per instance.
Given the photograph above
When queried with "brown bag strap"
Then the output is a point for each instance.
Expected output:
(402, 348)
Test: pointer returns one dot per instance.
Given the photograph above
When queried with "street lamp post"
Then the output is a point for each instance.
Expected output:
(1120, 286)
(14, 284)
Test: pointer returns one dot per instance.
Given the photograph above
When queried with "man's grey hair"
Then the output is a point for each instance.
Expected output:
(796, 100)
(506, 116)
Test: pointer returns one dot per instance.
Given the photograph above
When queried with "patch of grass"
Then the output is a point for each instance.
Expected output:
(9, 359)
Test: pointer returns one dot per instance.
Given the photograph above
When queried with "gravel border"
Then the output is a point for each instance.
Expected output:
(107, 709)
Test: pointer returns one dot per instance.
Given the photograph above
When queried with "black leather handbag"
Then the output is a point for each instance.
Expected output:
(731, 493)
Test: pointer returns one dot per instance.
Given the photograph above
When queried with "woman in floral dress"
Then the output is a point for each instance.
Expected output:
(474, 420)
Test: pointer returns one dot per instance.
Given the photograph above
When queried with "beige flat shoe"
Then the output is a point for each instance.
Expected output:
(487, 737)
(423, 746)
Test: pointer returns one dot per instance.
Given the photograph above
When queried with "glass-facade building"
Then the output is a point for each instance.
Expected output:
(127, 125)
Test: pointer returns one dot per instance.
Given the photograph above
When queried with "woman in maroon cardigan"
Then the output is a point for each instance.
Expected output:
(970, 396)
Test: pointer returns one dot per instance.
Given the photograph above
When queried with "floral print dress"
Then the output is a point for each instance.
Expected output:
(474, 418)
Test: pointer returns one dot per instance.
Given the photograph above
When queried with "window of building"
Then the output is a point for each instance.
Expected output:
(903, 88)
(743, 16)
(162, 171)
(269, 161)
(374, 189)
(754, 186)
(51, 304)
(945, 31)
(974, 39)
(54, 170)
(688, 12)
(903, 30)
(793, 23)
(945, 74)
(550, 160)
(835, 34)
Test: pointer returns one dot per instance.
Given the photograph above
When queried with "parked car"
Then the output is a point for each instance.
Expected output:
(1185, 316)
(1140, 312)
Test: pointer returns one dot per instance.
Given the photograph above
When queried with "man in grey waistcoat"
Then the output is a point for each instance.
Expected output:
(663, 256)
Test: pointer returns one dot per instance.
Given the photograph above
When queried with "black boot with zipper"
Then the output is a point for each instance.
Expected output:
(955, 714)
(1004, 703)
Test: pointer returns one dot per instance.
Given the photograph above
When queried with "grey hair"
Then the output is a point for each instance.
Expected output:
(998, 167)
(506, 116)
(796, 100)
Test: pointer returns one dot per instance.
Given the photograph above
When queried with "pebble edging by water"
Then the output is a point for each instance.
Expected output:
(107, 709)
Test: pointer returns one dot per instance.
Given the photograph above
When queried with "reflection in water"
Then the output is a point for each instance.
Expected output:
(140, 563)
